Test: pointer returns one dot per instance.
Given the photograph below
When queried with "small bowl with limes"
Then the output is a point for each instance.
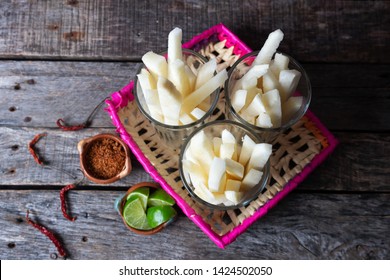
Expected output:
(146, 208)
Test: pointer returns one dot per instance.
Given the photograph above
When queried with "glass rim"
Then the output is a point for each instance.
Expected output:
(302, 111)
(264, 179)
(176, 127)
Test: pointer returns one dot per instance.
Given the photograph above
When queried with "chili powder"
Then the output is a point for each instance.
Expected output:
(105, 158)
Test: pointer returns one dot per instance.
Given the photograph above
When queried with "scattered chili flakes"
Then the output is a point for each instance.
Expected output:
(63, 191)
(49, 234)
(31, 147)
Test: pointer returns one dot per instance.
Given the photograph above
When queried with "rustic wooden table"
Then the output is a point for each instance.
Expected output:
(61, 58)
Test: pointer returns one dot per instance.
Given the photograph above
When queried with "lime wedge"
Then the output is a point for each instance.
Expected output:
(134, 214)
(160, 197)
(157, 215)
(142, 194)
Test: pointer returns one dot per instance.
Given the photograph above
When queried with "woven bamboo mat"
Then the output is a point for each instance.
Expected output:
(292, 151)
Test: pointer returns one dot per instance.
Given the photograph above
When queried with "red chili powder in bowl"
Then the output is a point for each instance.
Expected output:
(105, 158)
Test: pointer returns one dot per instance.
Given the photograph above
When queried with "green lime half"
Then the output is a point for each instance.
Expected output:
(142, 194)
(157, 215)
(160, 197)
(134, 214)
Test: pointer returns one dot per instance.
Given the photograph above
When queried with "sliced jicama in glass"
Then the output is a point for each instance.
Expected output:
(177, 91)
(260, 87)
(224, 165)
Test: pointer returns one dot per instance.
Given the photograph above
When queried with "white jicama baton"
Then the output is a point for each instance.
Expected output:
(274, 107)
(200, 94)
(179, 77)
(279, 63)
(234, 169)
(251, 179)
(270, 46)
(146, 80)
(217, 142)
(270, 82)
(264, 120)
(227, 151)
(216, 175)
(174, 45)
(249, 80)
(198, 113)
(206, 72)
(246, 150)
(201, 149)
(233, 185)
(255, 107)
(238, 100)
(185, 119)
(260, 95)
(288, 80)
(197, 175)
(228, 137)
(234, 196)
(259, 156)
(170, 100)
(153, 102)
(179, 83)
(191, 77)
(156, 64)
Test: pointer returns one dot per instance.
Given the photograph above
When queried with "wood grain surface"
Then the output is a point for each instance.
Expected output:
(362, 169)
(58, 149)
(316, 31)
(68, 90)
(309, 226)
(59, 59)
(344, 97)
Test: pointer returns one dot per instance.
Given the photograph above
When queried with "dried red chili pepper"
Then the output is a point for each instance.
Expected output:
(49, 234)
(63, 202)
(32, 150)
(61, 123)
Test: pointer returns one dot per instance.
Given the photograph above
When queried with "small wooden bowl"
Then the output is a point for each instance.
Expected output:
(121, 201)
(83, 146)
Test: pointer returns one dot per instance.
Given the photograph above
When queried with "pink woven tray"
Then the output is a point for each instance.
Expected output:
(285, 179)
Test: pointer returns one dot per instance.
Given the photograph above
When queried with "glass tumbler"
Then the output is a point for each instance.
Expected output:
(303, 89)
(214, 129)
(174, 135)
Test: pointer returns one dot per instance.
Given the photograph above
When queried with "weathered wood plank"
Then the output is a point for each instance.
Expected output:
(352, 109)
(345, 97)
(323, 75)
(302, 226)
(65, 90)
(123, 30)
(59, 152)
(359, 164)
